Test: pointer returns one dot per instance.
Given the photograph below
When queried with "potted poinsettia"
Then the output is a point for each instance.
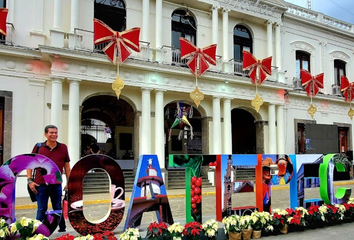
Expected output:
(157, 231)
(314, 217)
(232, 227)
(297, 218)
(130, 234)
(246, 228)
(38, 237)
(210, 228)
(108, 235)
(349, 211)
(65, 237)
(192, 230)
(280, 217)
(4, 230)
(176, 231)
(260, 221)
(24, 228)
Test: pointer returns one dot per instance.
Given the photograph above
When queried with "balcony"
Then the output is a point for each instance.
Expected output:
(8, 39)
(336, 90)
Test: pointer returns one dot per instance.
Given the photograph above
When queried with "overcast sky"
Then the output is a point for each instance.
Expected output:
(340, 9)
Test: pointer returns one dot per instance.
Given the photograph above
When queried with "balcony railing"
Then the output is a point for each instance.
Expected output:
(237, 67)
(84, 42)
(8, 39)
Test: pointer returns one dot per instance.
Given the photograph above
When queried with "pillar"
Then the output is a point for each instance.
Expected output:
(272, 130)
(269, 38)
(277, 47)
(225, 34)
(57, 102)
(56, 33)
(158, 31)
(74, 122)
(145, 126)
(145, 24)
(159, 128)
(74, 23)
(216, 126)
(215, 23)
(227, 127)
(280, 130)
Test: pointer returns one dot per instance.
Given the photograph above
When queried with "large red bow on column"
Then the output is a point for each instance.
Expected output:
(119, 41)
(200, 56)
(347, 88)
(312, 84)
(3, 16)
(252, 63)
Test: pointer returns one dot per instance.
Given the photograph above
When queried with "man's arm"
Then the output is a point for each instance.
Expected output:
(67, 172)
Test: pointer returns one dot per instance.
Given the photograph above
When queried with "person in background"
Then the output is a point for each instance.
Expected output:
(58, 153)
(95, 149)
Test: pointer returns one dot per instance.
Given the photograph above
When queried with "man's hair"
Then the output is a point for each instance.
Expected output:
(46, 129)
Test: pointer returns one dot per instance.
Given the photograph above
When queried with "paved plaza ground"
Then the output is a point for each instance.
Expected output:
(95, 207)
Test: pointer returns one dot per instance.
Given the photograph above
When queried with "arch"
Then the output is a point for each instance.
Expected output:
(339, 55)
(244, 137)
(303, 46)
(183, 24)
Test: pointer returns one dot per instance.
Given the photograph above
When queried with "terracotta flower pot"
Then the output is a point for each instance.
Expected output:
(284, 230)
(256, 234)
(247, 234)
(234, 236)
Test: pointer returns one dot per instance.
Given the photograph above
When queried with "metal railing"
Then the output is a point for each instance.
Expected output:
(84, 42)
(8, 39)
(237, 67)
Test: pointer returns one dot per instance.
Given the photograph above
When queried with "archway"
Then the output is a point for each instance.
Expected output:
(109, 122)
(182, 138)
(243, 132)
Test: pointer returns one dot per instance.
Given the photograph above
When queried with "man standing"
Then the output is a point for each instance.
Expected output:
(58, 153)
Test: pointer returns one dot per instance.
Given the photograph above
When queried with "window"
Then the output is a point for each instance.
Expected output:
(339, 70)
(302, 62)
(2, 3)
(112, 13)
(242, 41)
(183, 25)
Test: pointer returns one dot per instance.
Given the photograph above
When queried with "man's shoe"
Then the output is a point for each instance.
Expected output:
(61, 230)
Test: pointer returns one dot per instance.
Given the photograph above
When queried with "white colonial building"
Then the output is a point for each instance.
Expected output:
(51, 73)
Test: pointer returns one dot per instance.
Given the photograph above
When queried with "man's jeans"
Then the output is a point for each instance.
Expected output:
(54, 191)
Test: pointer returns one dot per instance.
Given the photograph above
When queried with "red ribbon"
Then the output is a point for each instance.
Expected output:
(312, 84)
(199, 56)
(252, 63)
(3, 16)
(118, 41)
(347, 88)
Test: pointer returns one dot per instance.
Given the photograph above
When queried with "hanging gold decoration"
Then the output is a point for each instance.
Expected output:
(312, 110)
(351, 113)
(196, 96)
(117, 86)
(257, 102)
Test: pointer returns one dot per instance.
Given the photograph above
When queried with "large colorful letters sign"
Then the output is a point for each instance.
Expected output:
(8, 175)
(149, 193)
(75, 188)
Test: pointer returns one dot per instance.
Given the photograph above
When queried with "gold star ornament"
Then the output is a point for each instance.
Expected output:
(312, 110)
(196, 96)
(257, 102)
(351, 113)
(117, 86)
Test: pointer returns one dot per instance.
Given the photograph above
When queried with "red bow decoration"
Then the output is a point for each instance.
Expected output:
(312, 84)
(119, 41)
(3, 16)
(200, 56)
(252, 63)
(347, 88)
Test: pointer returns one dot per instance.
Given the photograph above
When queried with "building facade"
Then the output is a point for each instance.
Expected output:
(52, 73)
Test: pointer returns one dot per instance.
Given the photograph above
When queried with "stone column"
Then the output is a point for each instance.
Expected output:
(57, 103)
(159, 128)
(277, 47)
(145, 123)
(38, 22)
(225, 34)
(216, 126)
(11, 12)
(74, 22)
(272, 141)
(280, 130)
(269, 38)
(215, 24)
(57, 34)
(227, 127)
(158, 30)
(146, 24)
(74, 122)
